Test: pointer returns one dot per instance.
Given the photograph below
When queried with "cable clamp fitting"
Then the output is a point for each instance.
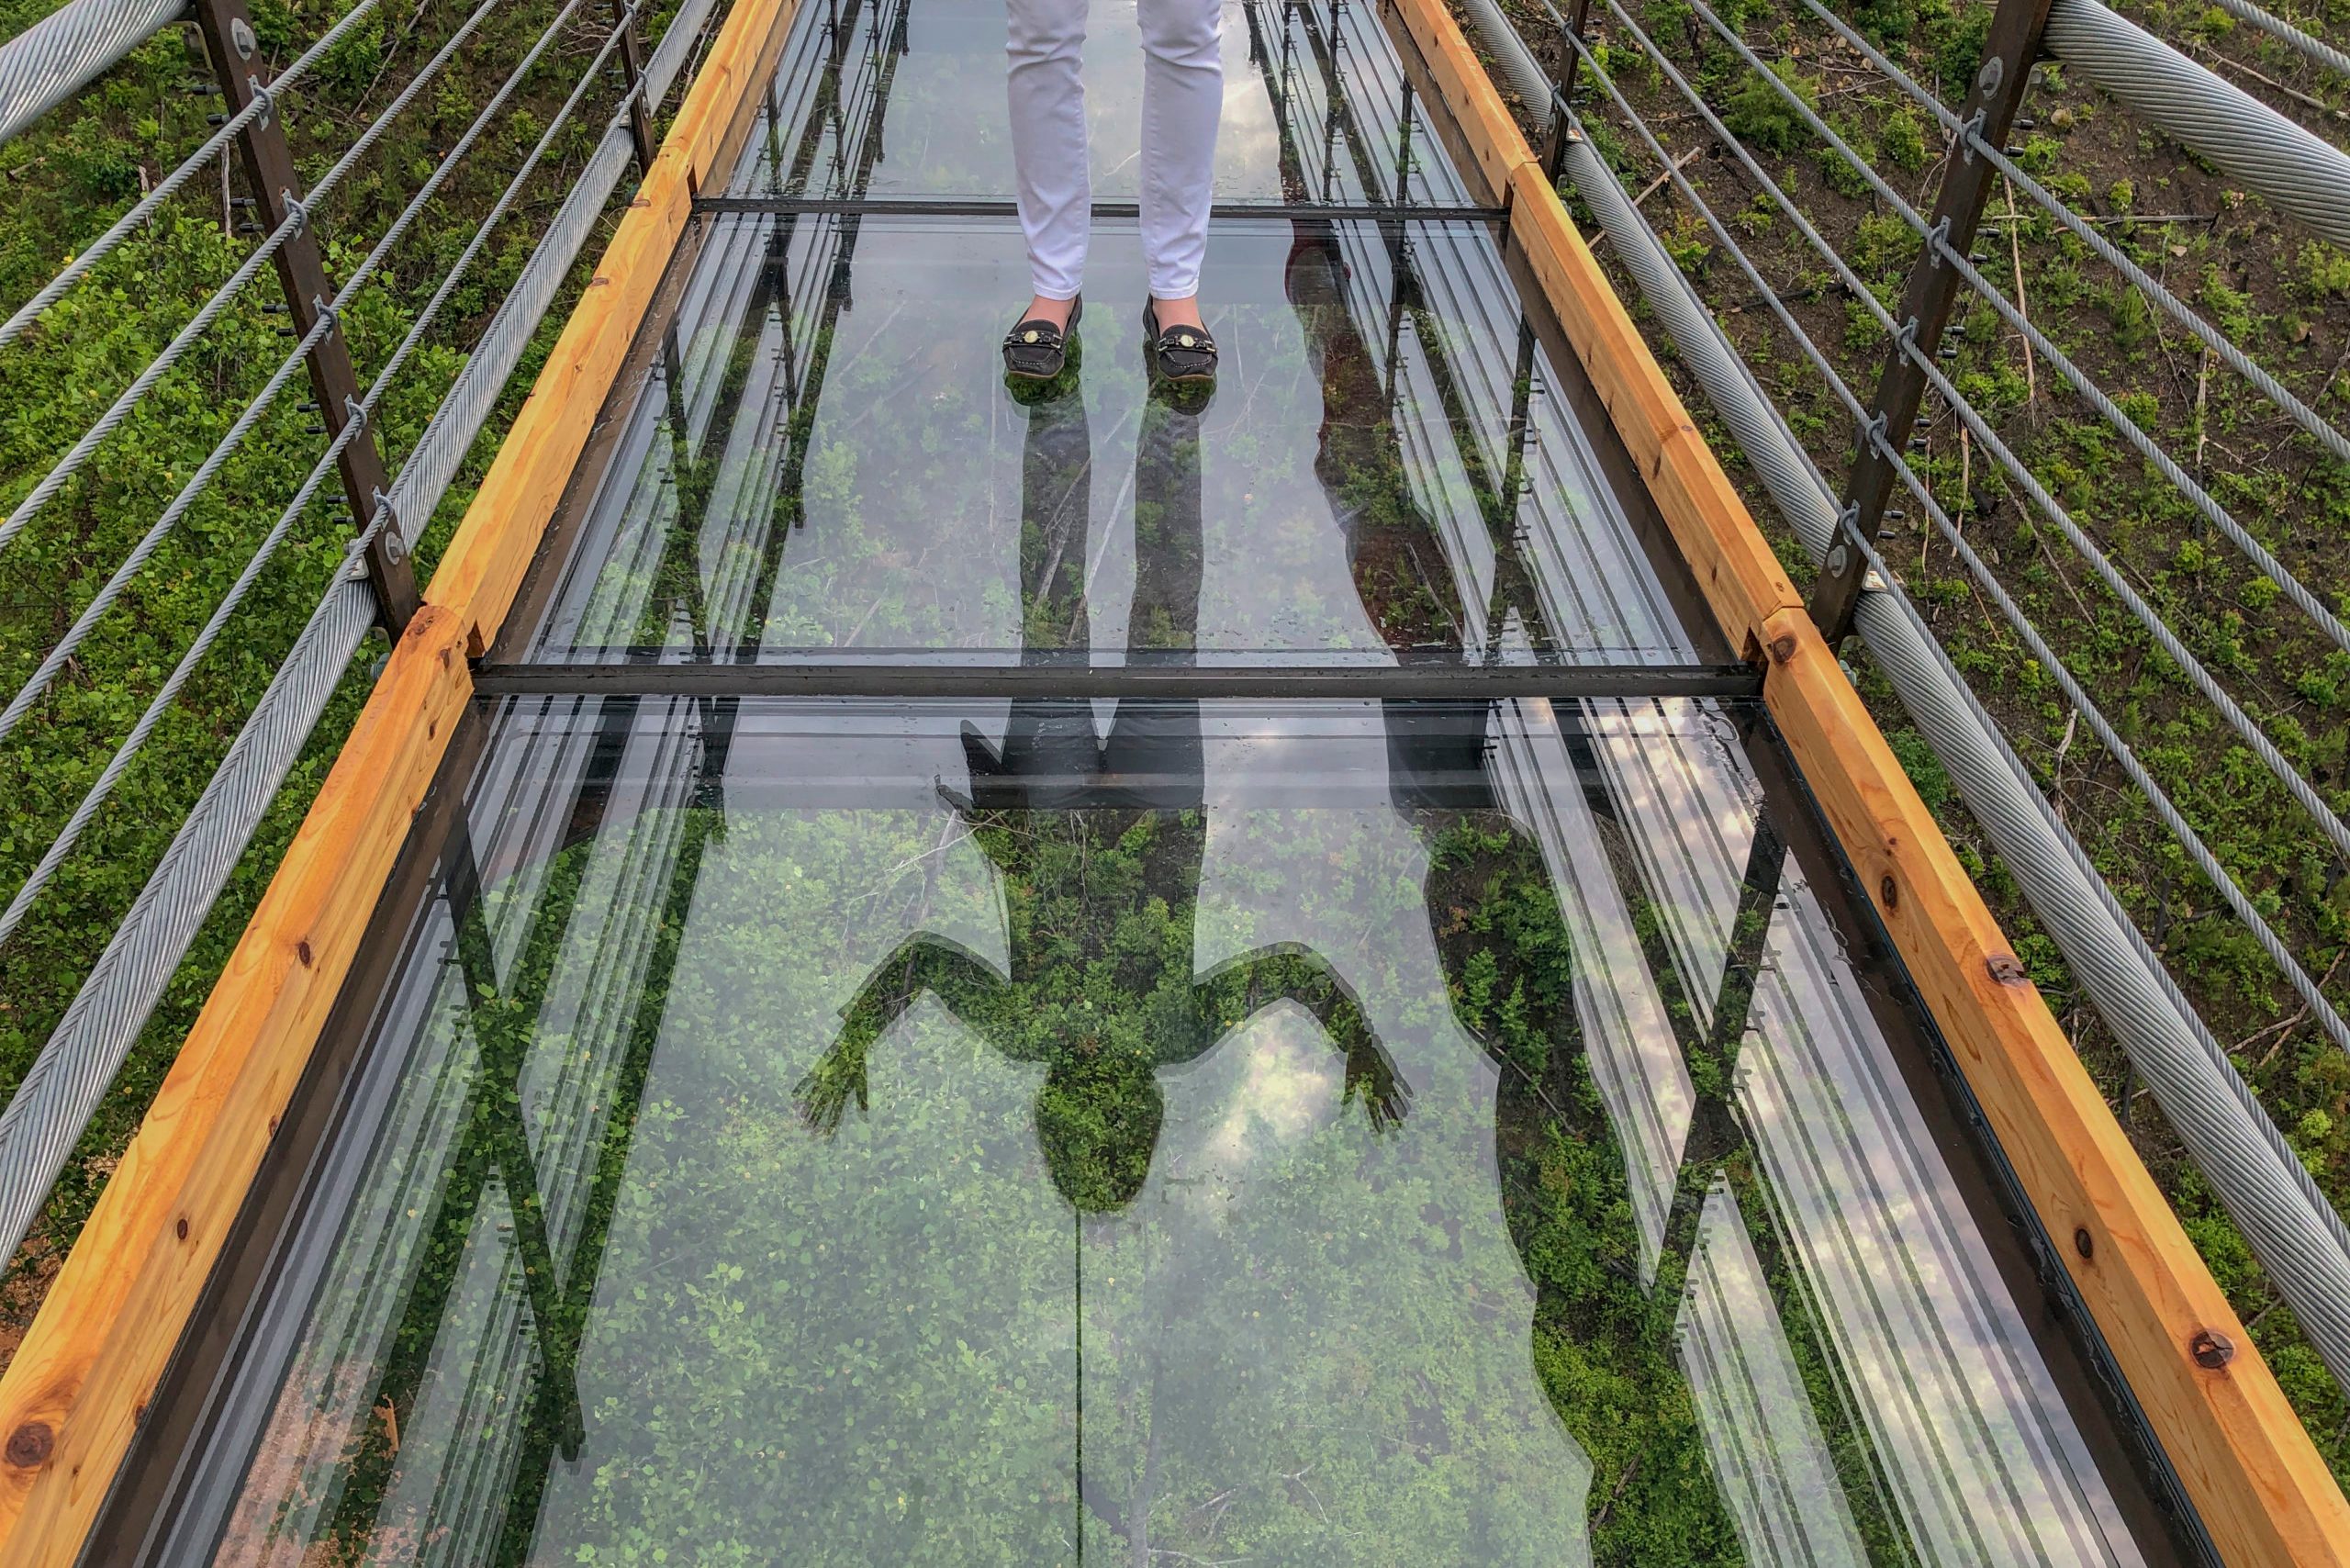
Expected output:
(262, 97)
(1938, 241)
(1970, 135)
(296, 209)
(387, 526)
(1904, 338)
(355, 414)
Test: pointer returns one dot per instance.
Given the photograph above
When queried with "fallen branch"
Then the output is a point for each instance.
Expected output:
(1678, 164)
(2216, 58)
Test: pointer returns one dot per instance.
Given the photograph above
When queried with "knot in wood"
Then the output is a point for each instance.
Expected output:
(30, 1444)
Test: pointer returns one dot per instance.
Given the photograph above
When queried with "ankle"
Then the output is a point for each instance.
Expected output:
(1057, 311)
(1183, 312)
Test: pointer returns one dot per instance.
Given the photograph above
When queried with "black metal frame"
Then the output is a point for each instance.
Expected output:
(984, 206)
(237, 58)
(926, 676)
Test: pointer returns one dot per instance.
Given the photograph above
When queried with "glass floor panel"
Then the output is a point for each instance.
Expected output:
(905, 99)
(1310, 1132)
(821, 458)
(1054, 1102)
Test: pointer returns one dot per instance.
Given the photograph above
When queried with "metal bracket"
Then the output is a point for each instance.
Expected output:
(1844, 574)
(230, 39)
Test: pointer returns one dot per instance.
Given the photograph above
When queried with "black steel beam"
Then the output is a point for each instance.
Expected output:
(1925, 304)
(277, 190)
(1168, 681)
(983, 206)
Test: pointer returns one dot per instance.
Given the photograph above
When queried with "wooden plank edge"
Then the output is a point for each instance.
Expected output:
(2244, 1457)
(483, 568)
(73, 1397)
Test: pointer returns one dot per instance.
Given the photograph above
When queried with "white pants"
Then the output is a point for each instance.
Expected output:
(1182, 98)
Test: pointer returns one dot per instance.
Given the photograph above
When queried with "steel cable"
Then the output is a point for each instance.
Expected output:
(78, 454)
(69, 47)
(201, 480)
(2296, 1233)
(2304, 794)
(63, 1088)
(2234, 358)
(2296, 171)
(2217, 1054)
(2205, 861)
(2284, 32)
(2212, 512)
(169, 186)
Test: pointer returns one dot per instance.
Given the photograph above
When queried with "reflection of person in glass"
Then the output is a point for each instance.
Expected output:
(1099, 844)
(1183, 97)
(1600, 1328)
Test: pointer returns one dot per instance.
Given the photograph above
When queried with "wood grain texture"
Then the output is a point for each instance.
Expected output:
(2257, 1480)
(1470, 97)
(73, 1397)
(70, 1398)
(2250, 1468)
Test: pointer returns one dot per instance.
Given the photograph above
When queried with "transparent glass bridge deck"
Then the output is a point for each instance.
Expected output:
(1096, 977)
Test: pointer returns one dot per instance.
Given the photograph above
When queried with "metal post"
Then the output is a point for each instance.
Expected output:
(1990, 108)
(640, 112)
(269, 171)
(1562, 96)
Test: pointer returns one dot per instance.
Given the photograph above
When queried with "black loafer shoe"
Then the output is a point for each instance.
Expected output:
(1178, 353)
(1036, 350)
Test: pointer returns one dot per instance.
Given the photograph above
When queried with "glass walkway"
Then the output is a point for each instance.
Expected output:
(1098, 975)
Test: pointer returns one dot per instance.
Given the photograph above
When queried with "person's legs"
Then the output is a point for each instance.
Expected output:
(1182, 99)
(1047, 97)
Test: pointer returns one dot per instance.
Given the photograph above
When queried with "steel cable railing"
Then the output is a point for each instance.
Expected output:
(361, 275)
(2293, 170)
(80, 452)
(2227, 353)
(2323, 815)
(170, 184)
(2295, 1230)
(70, 1075)
(201, 480)
(2013, 614)
(2284, 32)
(2239, 902)
(57, 56)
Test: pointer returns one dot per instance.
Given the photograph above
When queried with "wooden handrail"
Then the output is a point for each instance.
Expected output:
(72, 1398)
(2247, 1464)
